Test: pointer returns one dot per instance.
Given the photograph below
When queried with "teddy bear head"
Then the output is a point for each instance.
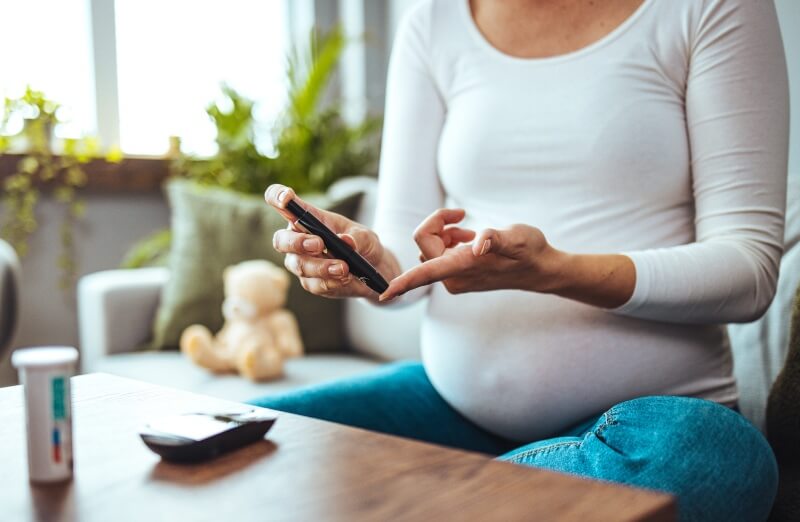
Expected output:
(253, 289)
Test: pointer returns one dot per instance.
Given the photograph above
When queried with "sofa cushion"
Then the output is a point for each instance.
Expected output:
(170, 368)
(213, 228)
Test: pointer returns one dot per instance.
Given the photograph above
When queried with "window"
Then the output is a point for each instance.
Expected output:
(47, 45)
(135, 72)
(172, 56)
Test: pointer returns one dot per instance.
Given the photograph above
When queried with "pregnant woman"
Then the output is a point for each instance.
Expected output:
(585, 191)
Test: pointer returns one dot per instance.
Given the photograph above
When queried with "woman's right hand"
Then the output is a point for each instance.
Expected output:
(305, 253)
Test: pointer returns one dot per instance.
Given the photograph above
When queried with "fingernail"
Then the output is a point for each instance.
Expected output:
(310, 245)
(485, 247)
(283, 195)
(336, 269)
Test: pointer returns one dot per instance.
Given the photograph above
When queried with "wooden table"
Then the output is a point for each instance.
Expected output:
(305, 470)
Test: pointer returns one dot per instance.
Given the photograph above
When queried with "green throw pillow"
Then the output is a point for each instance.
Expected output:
(213, 228)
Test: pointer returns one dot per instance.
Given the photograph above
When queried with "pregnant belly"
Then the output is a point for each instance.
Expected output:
(527, 366)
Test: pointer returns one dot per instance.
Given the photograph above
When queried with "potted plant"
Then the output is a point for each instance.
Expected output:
(38, 167)
(313, 145)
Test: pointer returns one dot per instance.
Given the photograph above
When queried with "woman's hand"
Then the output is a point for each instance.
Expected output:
(515, 258)
(518, 258)
(305, 253)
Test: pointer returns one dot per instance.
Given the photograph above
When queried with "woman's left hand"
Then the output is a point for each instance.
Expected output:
(518, 257)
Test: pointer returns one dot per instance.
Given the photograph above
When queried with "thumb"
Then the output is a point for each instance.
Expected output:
(488, 240)
(350, 240)
(501, 242)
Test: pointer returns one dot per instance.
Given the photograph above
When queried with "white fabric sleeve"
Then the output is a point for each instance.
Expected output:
(737, 116)
(408, 184)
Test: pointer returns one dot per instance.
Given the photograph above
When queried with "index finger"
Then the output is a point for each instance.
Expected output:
(278, 196)
(437, 269)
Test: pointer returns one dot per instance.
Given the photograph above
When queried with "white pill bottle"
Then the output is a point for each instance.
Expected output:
(45, 372)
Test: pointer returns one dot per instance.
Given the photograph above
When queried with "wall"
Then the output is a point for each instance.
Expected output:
(111, 225)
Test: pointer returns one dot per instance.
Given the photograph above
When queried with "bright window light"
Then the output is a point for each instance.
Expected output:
(47, 45)
(172, 56)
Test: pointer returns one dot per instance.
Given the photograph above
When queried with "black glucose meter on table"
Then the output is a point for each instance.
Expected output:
(193, 437)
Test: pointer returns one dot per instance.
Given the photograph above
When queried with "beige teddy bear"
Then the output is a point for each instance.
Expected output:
(258, 334)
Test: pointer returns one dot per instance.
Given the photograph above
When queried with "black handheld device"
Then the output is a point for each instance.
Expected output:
(193, 437)
(359, 266)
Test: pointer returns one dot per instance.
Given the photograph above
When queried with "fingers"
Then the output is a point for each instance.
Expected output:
(327, 287)
(350, 240)
(452, 236)
(427, 234)
(431, 271)
(484, 242)
(455, 235)
(511, 242)
(316, 267)
(303, 253)
(292, 242)
(278, 196)
(365, 242)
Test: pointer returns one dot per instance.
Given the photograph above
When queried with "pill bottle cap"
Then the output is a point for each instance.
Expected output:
(44, 357)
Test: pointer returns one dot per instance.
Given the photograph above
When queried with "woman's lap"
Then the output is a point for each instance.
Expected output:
(397, 399)
(716, 462)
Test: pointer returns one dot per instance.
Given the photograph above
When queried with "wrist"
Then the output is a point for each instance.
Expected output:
(603, 280)
(554, 271)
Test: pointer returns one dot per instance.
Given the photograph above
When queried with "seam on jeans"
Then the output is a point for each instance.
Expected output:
(610, 420)
(543, 449)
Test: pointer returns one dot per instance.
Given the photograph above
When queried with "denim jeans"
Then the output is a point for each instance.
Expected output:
(717, 464)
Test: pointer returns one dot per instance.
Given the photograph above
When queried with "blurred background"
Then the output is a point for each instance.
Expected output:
(126, 92)
(105, 100)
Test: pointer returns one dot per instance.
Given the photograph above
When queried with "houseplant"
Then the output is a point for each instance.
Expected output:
(40, 167)
(313, 145)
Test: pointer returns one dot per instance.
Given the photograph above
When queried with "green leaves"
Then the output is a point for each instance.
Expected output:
(313, 145)
(40, 166)
(150, 251)
(309, 73)
(235, 126)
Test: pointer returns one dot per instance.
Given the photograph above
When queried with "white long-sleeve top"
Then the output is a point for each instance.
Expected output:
(666, 140)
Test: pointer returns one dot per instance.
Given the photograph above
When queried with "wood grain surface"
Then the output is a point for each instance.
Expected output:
(306, 470)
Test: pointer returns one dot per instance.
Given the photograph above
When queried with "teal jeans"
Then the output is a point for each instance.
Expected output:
(712, 459)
